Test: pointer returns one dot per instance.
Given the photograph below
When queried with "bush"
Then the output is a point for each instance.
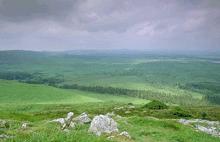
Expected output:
(179, 112)
(130, 104)
(156, 105)
(203, 115)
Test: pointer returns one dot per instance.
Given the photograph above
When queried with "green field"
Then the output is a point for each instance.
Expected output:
(12, 92)
(36, 87)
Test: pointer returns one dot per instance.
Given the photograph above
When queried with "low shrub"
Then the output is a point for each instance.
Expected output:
(179, 112)
(155, 104)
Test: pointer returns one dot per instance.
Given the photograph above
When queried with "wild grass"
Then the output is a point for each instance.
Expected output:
(141, 129)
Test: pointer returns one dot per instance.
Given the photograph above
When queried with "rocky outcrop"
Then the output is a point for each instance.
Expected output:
(99, 124)
(103, 124)
(209, 130)
(206, 126)
(185, 121)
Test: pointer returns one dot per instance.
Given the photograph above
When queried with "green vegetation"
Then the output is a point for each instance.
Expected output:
(195, 79)
(142, 94)
(156, 105)
(37, 87)
(141, 129)
(181, 113)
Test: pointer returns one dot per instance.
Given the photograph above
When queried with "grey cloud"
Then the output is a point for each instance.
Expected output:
(61, 24)
(22, 10)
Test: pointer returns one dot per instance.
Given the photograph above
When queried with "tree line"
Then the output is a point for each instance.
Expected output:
(32, 78)
(213, 98)
(143, 94)
(56, 81)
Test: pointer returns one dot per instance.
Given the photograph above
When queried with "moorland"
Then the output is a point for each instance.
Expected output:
(36, 87)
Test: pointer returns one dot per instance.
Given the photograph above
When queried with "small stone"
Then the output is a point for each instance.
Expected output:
(4, 124)
(24, 125)
(110, 114)
(127, 112)
(110, 137)
(124, 133)
(119, 108)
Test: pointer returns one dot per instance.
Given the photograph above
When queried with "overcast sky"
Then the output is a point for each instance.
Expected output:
(110, 24)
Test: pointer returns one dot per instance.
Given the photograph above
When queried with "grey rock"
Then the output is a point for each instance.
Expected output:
(65, 122)
(206, 126)
(69, 116)
(83, 118)
(68, 120)
(211, 130)
(184, 121)
(59, 120)
(103, 124)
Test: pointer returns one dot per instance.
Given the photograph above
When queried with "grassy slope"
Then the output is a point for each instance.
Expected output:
(42, 103)
(141, 130)
(21, 93)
